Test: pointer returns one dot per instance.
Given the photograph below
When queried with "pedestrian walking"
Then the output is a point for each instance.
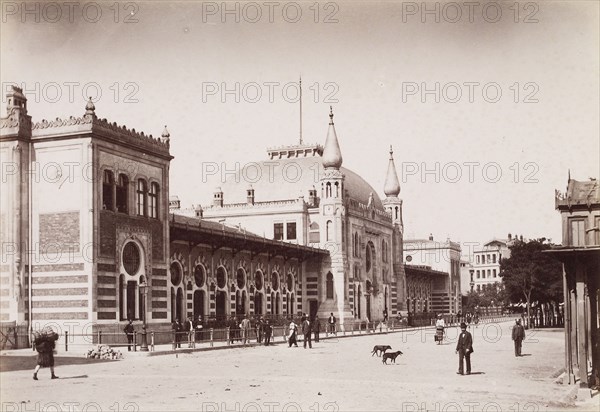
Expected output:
(259, 330)
(44, 345)
(307, 331)
(176, 327)
(440, 324)
(464, 348)
(292, 334)
(268, 330)
(129, 331)
(198, 327)
(332, 321)
(245, 327)
(233, 326)
(188, 329)
(385, 315)
(316, 328)
(518, 336)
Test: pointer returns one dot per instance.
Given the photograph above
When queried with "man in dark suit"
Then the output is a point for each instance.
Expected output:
(518, 335)
(267, 330)
(316, 328)
(177, 327)
(332, 321)
(464, 348)
(129, 330)
(307, 331)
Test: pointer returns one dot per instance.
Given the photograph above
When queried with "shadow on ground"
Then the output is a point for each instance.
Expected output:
(19, 363)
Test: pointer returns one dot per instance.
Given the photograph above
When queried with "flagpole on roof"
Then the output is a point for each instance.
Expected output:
(300, 109)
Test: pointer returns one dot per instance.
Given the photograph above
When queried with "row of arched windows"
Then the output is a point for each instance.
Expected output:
(333, 190)
(115, 195)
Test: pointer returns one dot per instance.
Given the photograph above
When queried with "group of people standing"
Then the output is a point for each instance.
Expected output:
(190, 329)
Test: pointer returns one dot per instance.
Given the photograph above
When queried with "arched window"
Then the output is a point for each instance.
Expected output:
(122, 194)
(153, 201)
(337, 189)
(258, 280)
(314, 235)
(142, 191)
(275, 281)
(397, 210)
(108, 181)
(329, 286)
(241, 278)
(199, 275)
(327, 189)
(329, 230)
(221, 277)
(176, 274)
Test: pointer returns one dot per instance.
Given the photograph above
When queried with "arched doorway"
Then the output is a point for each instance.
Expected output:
(180, 314)
(385, 299)
(199, 302)
(258, 293)
(369, 287)
(258, 303)
(221, 295)
(359, 299)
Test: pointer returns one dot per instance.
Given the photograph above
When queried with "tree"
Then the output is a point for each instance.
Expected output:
(531, 275)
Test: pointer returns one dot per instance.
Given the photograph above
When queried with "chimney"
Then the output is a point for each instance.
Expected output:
(250, 195)
(312, 197)
(521, 238)
(431, 236)
(218, 197)
(509, 236)
(199, 211)
(174, 203)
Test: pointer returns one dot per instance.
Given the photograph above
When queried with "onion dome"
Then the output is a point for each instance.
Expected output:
(392, 184)
(332, 155)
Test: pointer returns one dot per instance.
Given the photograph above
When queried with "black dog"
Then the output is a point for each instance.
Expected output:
(391, 355)
(379, 349)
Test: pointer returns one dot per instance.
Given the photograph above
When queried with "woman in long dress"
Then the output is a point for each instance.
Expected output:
(293, 331)
(439, 329)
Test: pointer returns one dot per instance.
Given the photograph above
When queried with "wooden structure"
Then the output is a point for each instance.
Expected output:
(580, 255)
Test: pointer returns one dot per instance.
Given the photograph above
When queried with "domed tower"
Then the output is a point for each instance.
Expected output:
(393, 205)
(333, 217)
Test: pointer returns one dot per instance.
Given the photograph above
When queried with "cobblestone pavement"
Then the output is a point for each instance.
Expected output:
(337, 374)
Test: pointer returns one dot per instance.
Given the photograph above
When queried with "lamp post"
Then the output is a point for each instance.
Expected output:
(144, 344)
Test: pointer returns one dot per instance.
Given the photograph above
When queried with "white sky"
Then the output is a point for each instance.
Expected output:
(369, 54)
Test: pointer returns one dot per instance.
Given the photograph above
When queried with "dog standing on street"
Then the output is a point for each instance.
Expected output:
(391, 355)
(379, 349)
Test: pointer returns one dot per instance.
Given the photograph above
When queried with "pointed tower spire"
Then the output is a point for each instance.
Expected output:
(392, 184)
(332, 155)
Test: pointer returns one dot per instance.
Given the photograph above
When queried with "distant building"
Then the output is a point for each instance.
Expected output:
(439, 257)
(465, 276)
(486, 262)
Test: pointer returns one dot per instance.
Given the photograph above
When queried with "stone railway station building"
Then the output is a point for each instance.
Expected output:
(86, 219)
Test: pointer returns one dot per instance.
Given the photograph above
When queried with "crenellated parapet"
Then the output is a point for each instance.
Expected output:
(90, 123)
(15, 118)
(367, 212)
(257, 205)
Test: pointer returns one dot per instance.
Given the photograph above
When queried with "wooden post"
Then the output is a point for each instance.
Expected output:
(567, 326)
(582, 349)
